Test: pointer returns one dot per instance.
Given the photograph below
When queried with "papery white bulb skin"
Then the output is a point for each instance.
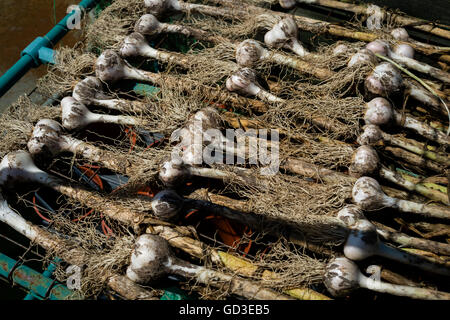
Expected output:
(403, 50)
(15, 221)
(19, 165)
(159, 7)
(362, 241)
(365, 162)
(110, 67)
(367, 194)
(75, 115)
(166, 205)
(371, 135)
(135, 45)
(88, 90)
(249, 52)
(384, 80)
(46, 139)
(350, 215)
(287, 4)
(173, 174)
(362, 57)
(284, 34)
(342, 276)
(149, 259)
(379, 46)
(379, 112)
(400, 34)
(243, 81)
(340, 49)
(148, 24)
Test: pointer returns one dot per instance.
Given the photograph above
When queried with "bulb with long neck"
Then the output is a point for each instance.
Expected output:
(152, 259)
(161, 7)
(89, 91)
(76, 116)
(48, 140)
(110, 67)
(149, 25)
(380, 112)
(205, 125)
(342, 276)
(363, 242)
(249, 53)
(367, 194)
(135, 45)
(244, 82)
(365, 162)
(284, 34)
(386, 79)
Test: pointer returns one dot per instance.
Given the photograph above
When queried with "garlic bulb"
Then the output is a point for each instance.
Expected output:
(362, 57)
(384, 80)
(400, 34)
(243, 81)
(166, 205)
(365, 162)
(76, 116)
(284, 34)
(249, 52)
(379, 112)
(403, 50)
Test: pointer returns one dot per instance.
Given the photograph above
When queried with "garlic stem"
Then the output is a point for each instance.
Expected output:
(342, 276)
(367, 193)
(89, 91)
(76, 115)
(149, 25)
(244, 82)
(363, 242)
(153, 259)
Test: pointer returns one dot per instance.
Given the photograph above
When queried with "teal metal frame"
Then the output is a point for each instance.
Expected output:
(41, 286)
(39, 51)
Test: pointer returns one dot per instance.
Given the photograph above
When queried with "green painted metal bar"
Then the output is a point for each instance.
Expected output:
(34, 54)
(48, 273)
(34, 281)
